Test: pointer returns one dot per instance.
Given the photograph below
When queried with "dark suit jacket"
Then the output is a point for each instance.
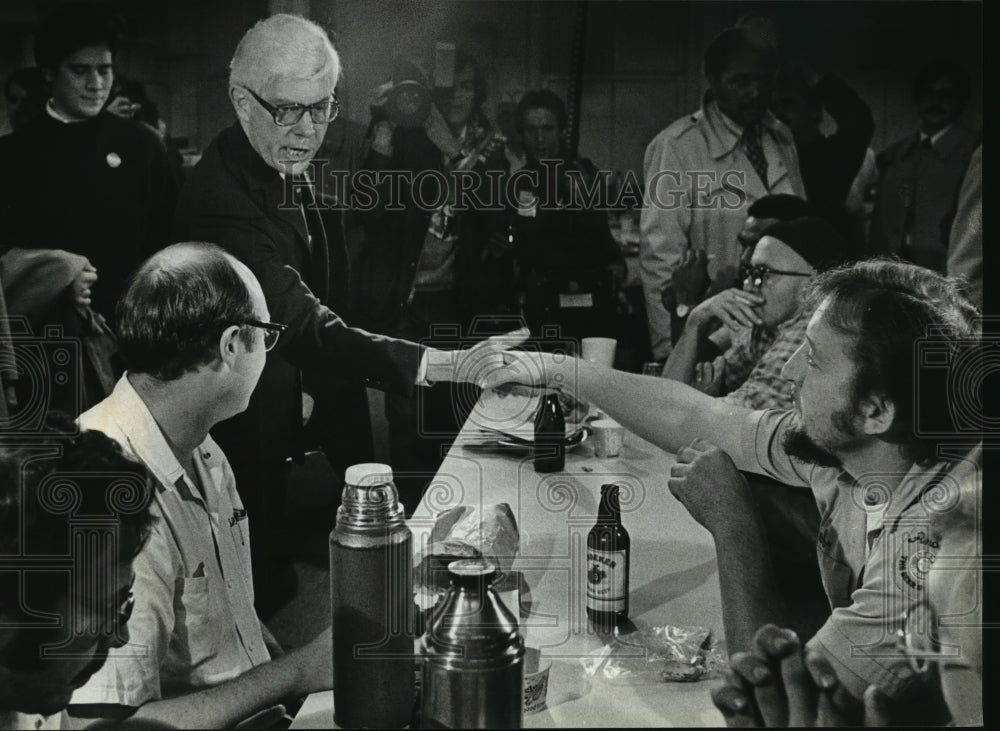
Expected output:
(233, 198)
(923, 184)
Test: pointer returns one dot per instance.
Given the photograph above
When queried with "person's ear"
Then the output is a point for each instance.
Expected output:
(241, 102)
(230, 344)
(877, 412)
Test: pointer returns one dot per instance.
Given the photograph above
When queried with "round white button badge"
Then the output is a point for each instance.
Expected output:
(114, 160)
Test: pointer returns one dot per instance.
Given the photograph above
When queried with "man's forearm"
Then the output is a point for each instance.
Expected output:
(270, 641)
(223, 705)
(667, 413)
(750, 596)
(683, 358)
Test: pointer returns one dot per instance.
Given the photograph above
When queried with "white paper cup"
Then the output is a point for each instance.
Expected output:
(609, 438)
(600, 351)
(536, 680)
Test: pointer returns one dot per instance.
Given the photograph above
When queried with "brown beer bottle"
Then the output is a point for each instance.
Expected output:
(608, 549)
(550, 434)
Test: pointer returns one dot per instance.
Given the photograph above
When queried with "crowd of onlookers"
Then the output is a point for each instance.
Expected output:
(788, 360)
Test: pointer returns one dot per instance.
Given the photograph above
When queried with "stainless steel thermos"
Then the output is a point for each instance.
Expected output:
(473, 655)
(371, 600)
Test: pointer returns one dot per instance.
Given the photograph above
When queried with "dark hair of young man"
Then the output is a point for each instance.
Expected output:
(63, 479)
(74, 26)
(540, 99)
(895, 313)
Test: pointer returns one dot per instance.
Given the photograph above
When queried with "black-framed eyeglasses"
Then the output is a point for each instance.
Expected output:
(272, 331)
(757, 276)
(286, 115)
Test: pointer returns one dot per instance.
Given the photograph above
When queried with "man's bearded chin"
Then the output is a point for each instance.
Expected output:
(800, 445)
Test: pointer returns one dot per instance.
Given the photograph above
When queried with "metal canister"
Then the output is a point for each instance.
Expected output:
(371, 601)
(473, 655)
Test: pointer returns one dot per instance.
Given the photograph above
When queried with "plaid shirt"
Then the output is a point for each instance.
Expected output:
(761, 386)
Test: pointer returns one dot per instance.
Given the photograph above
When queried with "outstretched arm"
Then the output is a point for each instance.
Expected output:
(667, 413)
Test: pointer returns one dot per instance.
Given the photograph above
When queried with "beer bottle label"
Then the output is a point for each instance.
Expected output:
(606, 573)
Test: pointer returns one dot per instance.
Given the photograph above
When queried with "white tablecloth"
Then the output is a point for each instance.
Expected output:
(673, 574)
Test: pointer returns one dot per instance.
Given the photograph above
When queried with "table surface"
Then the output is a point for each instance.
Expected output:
(673, 575)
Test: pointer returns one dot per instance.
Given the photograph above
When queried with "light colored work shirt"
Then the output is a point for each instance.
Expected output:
(874, 548)
(194, 623)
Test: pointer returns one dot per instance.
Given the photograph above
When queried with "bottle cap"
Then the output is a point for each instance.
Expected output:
(610, 498)
(368, 474)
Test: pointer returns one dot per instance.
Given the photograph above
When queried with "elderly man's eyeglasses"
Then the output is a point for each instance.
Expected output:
(272, 331)
(757, 276)
(286, 115)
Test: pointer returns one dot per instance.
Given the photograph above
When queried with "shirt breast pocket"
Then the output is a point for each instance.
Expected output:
(839, 580)
(194, 633)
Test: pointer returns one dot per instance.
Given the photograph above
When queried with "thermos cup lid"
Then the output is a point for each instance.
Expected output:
(368, 474)
(472, 567)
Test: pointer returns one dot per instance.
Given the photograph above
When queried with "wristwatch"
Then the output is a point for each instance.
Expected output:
(682, 310)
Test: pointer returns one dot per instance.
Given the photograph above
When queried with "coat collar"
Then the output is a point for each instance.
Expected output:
(945, 145)
(262, 179)
(724, 134)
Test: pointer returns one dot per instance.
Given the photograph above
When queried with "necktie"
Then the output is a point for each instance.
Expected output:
(754, 151)
(307, 203)
(317, 278)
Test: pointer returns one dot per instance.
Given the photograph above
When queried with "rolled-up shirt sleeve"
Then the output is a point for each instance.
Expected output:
(860, 643)
(763, 448)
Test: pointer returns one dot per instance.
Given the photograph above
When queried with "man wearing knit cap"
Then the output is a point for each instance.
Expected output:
(691, 284)
(769, 210)
(767, 312)
(748, 375)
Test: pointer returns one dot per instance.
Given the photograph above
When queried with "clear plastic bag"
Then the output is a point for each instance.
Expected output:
(654, 655)
(466, 531)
